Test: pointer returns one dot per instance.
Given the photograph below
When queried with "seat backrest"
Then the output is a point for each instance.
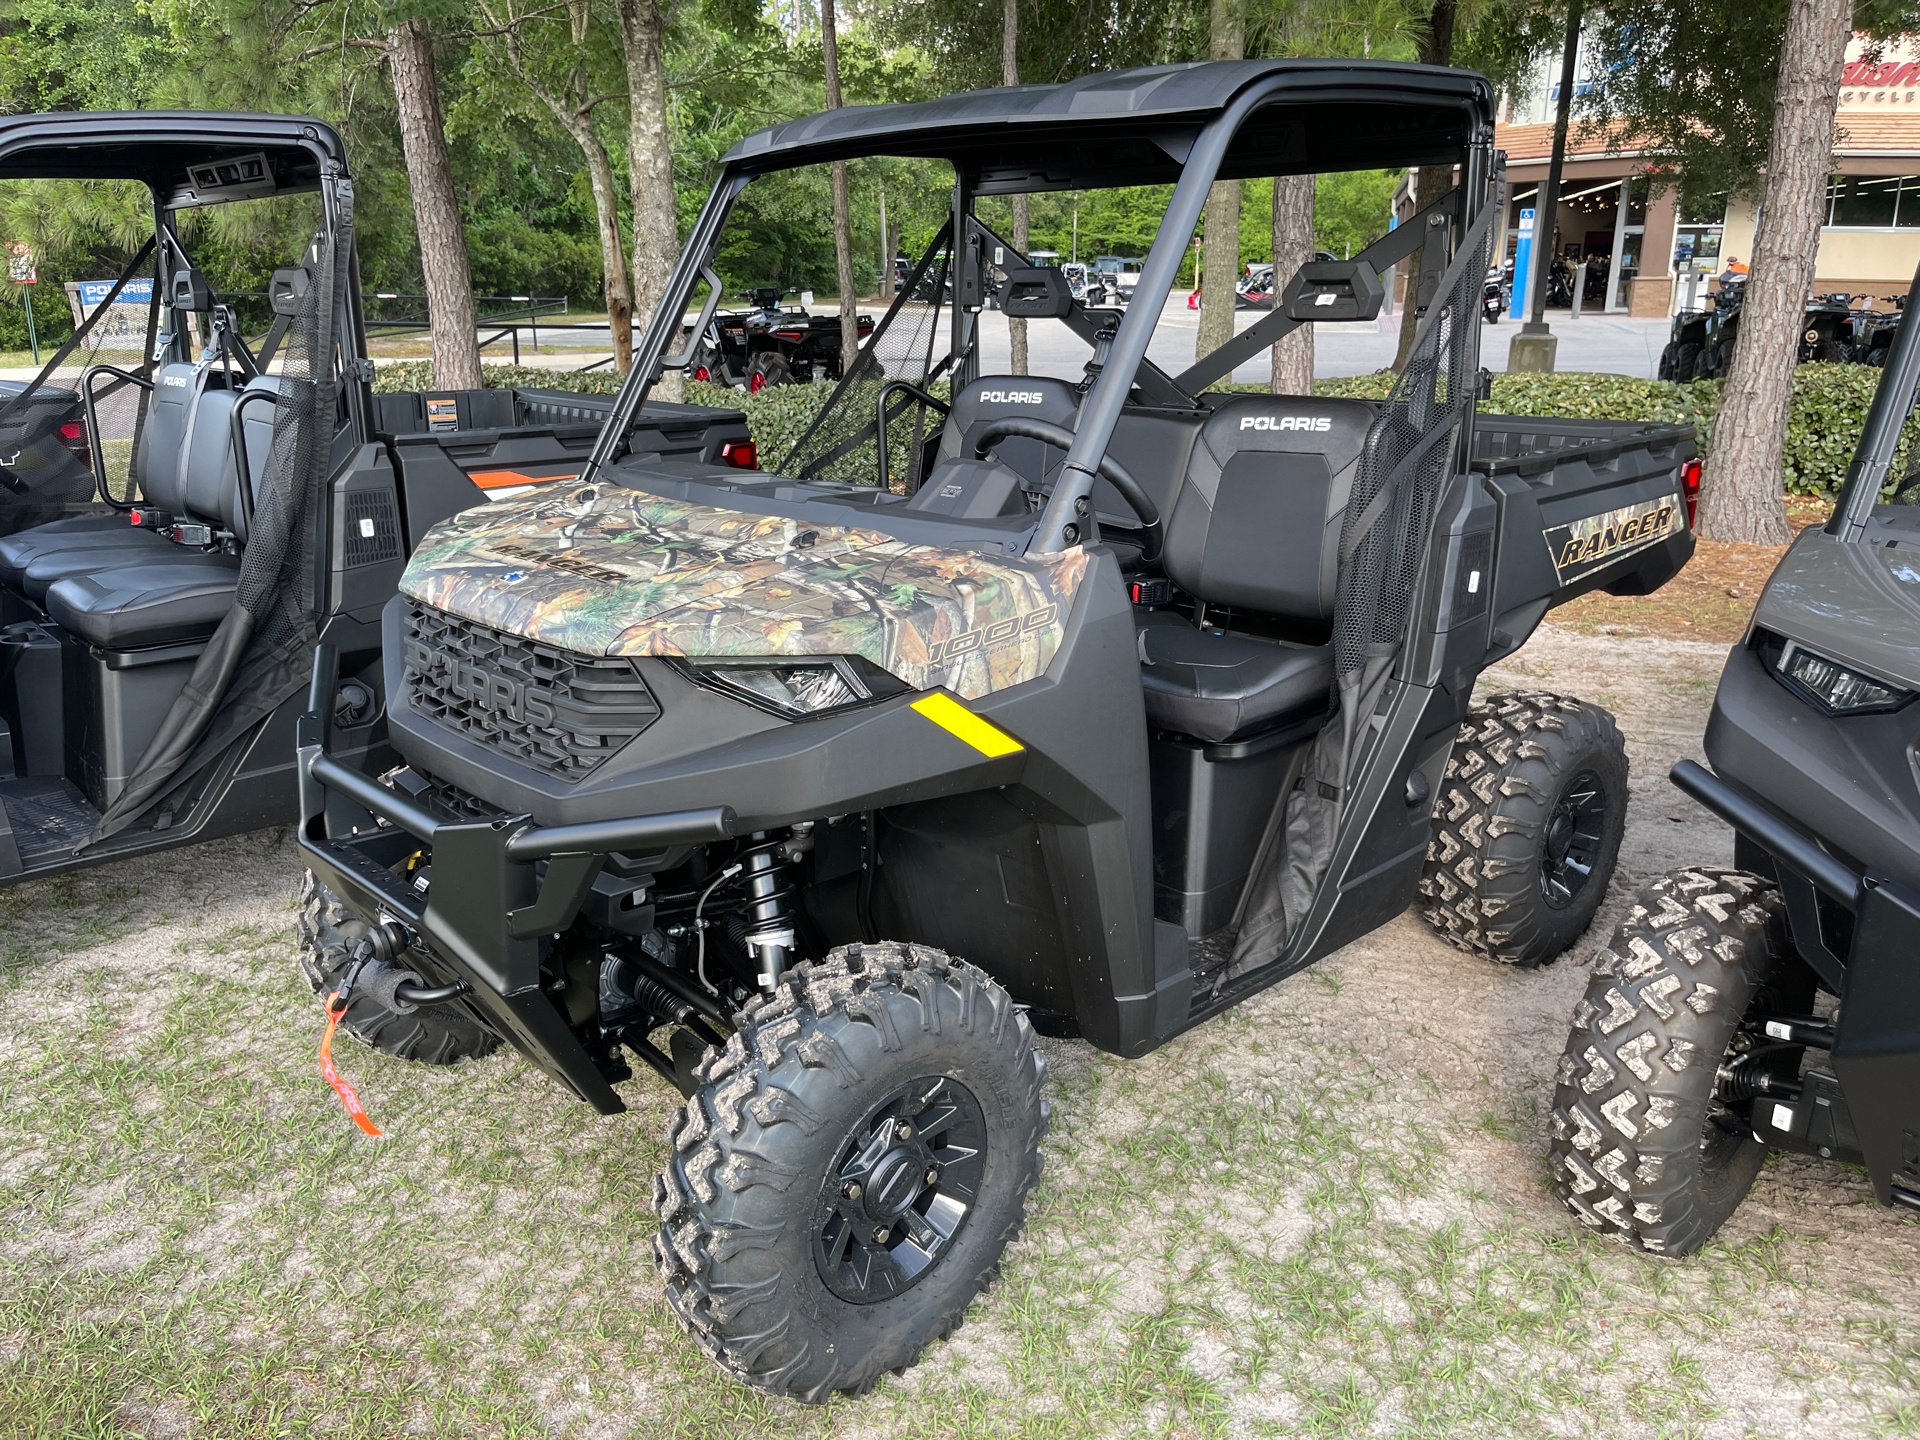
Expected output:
(163, 437)
(995, 397)
(209, 471)
(1256, 522)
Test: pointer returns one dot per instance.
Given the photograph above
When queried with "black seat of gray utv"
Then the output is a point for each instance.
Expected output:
(1255, 530)
(119, 587)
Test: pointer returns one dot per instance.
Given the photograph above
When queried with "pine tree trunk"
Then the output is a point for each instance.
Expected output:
(656, 230)
(436, 209)
(842, 201)
(1022, 206)
(1743, 494)
(1434, 47)
(613, 254)
(1220, 253)
(1292, 248)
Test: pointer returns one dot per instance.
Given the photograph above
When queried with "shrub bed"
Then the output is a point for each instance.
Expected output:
(1828, 407)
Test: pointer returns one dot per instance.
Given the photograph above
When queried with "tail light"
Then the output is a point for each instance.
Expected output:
(789, 334)
(1690, 487)
(741, 454)
(73, 435)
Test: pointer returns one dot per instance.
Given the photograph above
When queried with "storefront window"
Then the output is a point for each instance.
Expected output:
(1874, 202)
(1865, 201)
(1702, 209)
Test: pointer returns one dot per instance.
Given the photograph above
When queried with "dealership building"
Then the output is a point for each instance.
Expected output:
(1649, 250)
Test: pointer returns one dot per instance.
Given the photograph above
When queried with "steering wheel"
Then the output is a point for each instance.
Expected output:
(1110, 470)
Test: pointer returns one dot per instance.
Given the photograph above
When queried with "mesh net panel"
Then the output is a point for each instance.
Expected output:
(261, 652)
(843, 443)
(1385, 537)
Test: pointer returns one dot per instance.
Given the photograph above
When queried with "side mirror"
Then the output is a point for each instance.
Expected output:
(1038, 292)
(1334, 290)
(287, 291)
(190, 291)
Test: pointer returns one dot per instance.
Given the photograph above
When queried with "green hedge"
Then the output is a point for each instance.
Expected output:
(1829, 405)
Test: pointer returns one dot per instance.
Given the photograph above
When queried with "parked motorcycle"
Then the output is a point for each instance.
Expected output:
(1496, 296)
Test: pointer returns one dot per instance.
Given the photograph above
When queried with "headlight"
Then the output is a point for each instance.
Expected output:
(796, 689)
(1833, 687)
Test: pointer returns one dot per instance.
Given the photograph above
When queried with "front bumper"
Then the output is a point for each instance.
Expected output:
(1876, 1048)
(499, 886)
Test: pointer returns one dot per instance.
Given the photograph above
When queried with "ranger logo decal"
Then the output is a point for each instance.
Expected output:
(1584, 546)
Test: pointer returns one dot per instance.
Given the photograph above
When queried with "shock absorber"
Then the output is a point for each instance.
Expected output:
(770, 935)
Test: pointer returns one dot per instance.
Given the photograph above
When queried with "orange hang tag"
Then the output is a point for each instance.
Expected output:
(345, 1091)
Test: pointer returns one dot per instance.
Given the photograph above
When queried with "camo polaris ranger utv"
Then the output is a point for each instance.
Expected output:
(1777, 1004)
(1010, 702)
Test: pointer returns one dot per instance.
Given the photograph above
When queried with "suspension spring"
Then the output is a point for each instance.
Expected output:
(769, 909)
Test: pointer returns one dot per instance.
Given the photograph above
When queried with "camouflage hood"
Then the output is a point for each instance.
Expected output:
(603, 570)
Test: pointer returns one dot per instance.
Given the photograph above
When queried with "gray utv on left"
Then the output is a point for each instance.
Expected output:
(202, 482)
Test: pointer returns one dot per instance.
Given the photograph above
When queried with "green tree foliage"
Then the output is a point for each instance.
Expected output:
(733, 66)
(1696, 82)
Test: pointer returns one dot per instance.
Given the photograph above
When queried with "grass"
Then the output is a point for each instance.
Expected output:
(1322, 1214)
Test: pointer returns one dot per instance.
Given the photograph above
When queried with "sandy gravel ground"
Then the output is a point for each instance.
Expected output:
(1327, 1213)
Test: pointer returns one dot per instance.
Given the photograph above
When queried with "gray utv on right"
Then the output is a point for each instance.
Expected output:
(1776, 1005)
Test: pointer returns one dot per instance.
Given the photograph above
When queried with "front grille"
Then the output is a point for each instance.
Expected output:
(559, 712)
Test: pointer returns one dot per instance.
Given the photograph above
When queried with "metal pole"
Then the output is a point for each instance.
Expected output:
(33, 338)
(1619, 244)
(1546, 236)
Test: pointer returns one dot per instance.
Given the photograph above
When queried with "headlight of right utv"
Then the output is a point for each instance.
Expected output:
(797, 689)
(1832, 686)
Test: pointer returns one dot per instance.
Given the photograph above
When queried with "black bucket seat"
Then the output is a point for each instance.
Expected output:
(996, 397)
(1255, 528)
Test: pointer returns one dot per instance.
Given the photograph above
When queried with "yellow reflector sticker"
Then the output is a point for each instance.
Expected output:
(953, 717)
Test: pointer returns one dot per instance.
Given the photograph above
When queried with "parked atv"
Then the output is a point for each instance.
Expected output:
(1700, 345)
(1774, 1005)
(1088, 709)
(771, 343)
(1874, 330)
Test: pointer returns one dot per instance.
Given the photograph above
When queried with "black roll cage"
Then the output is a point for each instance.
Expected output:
(1061, 524)
(153, 148)
(1893, 401)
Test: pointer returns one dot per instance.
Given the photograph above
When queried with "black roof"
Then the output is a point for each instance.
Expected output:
(158, 146)
(1131, 127)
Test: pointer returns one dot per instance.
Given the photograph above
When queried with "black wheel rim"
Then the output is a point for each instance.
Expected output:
(1571, 847)
(900, 1190)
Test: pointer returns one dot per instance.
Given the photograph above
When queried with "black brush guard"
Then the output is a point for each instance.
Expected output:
(500, 887)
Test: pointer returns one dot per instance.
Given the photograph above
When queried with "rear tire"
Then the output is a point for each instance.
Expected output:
(1643, 1150)
(1686, 363)
(1527, 827)
(784, 1267)
(432, 1034)
(769, 368)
